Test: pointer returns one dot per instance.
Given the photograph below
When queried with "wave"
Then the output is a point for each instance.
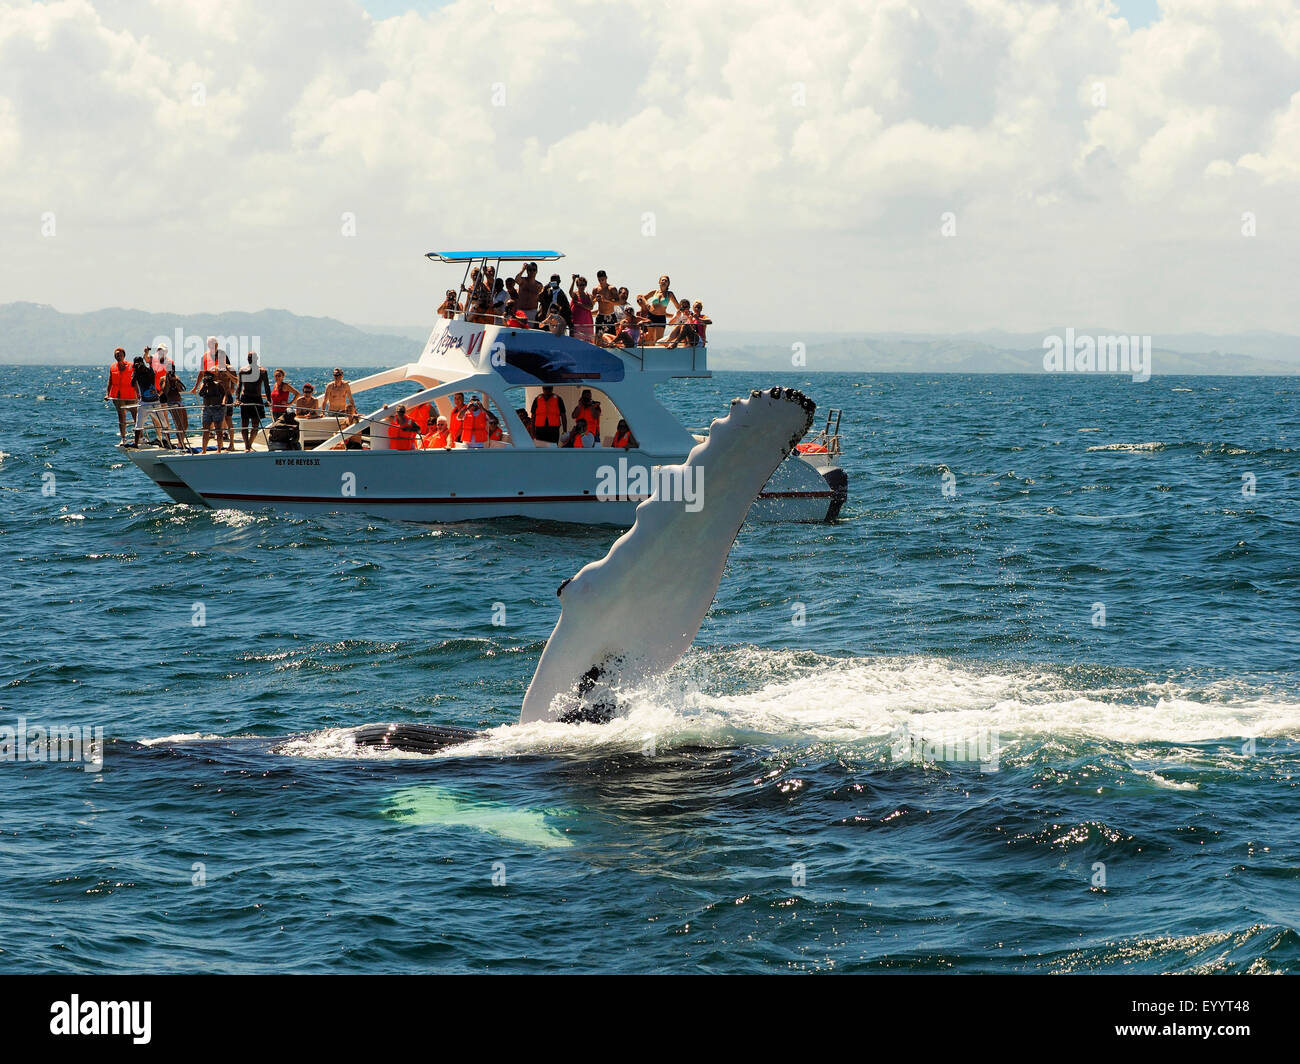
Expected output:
(1155, 445)
(1206, 448)
(753, 697)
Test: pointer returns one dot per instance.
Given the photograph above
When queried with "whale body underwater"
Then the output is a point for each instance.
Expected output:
(621, 621)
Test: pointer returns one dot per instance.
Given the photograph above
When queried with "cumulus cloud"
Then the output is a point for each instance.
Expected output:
(794, 162)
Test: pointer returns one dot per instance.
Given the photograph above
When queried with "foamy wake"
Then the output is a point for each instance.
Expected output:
(778, 698)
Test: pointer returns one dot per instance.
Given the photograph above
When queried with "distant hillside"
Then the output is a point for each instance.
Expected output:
(37, 333)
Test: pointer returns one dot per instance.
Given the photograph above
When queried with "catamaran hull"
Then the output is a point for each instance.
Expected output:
(148, 460)
(597, 487)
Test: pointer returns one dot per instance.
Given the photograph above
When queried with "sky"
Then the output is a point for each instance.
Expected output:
(848, 165)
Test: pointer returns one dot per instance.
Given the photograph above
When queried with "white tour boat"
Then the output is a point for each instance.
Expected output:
(514, 476)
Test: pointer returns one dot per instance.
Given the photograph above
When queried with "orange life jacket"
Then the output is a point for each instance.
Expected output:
(437, 440)
(159, 375)
(119, 381)
(623, 439)
(577, 439)
(589, 415)
(474, 427)
(420, 415)
(548, 412)
(212, 362)
(454, 419)
(494, 433)
(401, 437)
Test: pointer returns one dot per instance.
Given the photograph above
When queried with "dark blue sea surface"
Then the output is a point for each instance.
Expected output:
(949, 765)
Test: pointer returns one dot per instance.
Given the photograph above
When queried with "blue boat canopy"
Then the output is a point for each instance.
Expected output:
(505, 256)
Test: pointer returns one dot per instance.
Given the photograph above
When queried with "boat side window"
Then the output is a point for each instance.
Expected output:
(498, 428)
(551, 415)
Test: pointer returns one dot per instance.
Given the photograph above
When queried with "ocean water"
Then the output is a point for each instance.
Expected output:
(903, 742)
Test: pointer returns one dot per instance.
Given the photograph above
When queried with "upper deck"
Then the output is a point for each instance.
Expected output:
(464, 344)
(458, 348)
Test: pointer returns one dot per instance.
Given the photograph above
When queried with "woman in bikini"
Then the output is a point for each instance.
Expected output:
(659, 298)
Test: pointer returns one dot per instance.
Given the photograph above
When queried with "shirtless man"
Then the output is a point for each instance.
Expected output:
(338, 394)
(605, 298)
(307, 405)
(528, 290)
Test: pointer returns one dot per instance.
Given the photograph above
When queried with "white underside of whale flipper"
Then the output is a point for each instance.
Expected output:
(632, 614)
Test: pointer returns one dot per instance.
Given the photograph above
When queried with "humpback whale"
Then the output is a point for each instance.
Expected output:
(631, 615)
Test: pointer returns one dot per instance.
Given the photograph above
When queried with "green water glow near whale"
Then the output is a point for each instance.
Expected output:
(429, 806)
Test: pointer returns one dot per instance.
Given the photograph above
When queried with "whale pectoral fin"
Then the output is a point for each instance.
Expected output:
(632, 614)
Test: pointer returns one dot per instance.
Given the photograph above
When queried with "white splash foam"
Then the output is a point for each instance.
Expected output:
(181, 737)
(1134, 447)
(753, 697)
(805, 699)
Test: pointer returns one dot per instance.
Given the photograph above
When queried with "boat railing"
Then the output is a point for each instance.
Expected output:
(320, 427)
(827, 441)
(163, 425)
(649, 337)
(822, 444)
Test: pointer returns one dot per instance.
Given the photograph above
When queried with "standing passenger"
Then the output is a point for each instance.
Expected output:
(457, 414)
(252, 386)
(528, 291)
(282, 395)
(549, 416)
(338, 394)
(120, 388)
(171, 393)
(588, 411)
(213, 394)
(142, 377)
(580, 304)
(474, 425)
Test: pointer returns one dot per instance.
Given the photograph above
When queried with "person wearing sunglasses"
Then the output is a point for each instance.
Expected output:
(338, 394)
